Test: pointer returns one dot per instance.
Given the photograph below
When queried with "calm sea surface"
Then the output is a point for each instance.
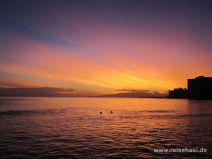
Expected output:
(74, 128)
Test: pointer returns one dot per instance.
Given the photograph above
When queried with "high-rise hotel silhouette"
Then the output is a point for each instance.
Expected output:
(197, 88)
(200, 88)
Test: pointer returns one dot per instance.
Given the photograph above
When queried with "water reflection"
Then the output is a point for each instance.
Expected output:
(74, 128)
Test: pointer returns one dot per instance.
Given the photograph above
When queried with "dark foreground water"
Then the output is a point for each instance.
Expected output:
(73, 128)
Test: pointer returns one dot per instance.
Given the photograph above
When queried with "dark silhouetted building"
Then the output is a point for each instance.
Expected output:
(178, 93)
(200, 88)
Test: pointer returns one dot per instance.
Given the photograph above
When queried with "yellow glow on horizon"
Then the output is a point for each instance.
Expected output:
(114, 64)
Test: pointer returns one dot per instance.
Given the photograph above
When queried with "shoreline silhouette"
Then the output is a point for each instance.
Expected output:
(197, 88)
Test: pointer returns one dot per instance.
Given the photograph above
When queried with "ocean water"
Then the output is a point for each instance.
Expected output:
(72, 128)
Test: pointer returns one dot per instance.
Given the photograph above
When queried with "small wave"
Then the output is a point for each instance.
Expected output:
(9, 99)
(156, 111)
(159, 111)
(165, 116)
(176, 116)
(29, 112)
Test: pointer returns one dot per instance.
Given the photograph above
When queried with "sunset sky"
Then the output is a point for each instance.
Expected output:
(96, 47)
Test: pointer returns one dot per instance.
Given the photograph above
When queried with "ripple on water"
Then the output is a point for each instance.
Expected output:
(29, 112)
(79, 131)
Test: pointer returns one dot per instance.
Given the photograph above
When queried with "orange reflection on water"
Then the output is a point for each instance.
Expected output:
(75, 124)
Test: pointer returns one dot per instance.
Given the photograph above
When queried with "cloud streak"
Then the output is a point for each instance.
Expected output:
(99, 47)
(38, 92)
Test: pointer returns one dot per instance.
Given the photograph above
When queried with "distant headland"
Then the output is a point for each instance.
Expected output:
(197, 88)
